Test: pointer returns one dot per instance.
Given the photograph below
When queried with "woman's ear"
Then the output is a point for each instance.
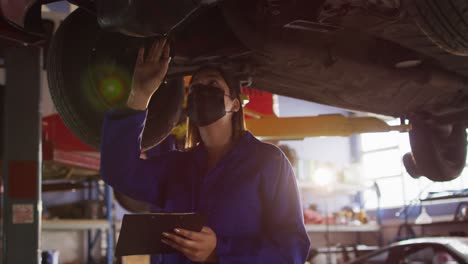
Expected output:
(236, 105)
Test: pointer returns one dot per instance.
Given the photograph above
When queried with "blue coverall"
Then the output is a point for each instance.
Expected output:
(250, 197)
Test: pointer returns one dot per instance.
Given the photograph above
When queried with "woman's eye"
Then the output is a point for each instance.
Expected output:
(214, 83)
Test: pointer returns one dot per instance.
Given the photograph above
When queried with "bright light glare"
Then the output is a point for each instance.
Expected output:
(324, 177)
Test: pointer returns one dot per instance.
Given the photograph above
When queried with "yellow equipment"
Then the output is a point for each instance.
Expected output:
(270, 127)
(273, 128)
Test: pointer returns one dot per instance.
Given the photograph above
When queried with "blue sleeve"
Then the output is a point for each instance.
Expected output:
(121, 166)
(284, 238)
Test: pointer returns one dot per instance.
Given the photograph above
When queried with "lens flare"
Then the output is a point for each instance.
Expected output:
(112, 89)
(106, 85)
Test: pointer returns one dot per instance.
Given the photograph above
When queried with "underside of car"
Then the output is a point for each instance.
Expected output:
(360, 55)
(401, 58)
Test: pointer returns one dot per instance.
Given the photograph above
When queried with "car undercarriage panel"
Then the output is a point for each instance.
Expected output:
(352, 60)
(356, 71)
(346, 67)
(143, 18)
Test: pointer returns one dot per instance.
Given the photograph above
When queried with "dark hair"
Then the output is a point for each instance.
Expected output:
(192, 138)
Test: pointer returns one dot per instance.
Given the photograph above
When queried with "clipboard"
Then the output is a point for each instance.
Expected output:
(141, 234)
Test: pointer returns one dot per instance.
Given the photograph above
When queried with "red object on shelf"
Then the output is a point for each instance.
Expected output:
(73, 159)
(55, 131)
(259, 101)
(60, 145)
(312, 217)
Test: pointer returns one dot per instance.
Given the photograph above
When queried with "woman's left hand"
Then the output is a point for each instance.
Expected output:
(196, 246)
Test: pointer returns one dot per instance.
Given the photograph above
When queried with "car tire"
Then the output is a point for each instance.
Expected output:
(444, 22)
(438, 152)
(89, 72)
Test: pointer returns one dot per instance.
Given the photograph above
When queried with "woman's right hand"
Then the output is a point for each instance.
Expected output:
(149, 73)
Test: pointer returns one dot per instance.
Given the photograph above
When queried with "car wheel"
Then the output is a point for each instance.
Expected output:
(438, 152)
(90, 71)
(444, 22)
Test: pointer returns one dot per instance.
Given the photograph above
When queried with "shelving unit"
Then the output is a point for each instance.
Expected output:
(343, 228)
(327, 191)
(95, 228)
(62, 148)
(75, 224)
(330, 232)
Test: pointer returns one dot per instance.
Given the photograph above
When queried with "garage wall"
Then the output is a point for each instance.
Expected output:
(342, 151)
(328, 151)
(400, 189)
(47, 106)
(325, 149)
(291, 107)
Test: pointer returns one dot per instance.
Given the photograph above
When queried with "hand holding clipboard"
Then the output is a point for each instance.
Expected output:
(141, 234)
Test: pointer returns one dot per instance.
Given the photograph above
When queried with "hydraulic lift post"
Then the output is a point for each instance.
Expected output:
(22, 158)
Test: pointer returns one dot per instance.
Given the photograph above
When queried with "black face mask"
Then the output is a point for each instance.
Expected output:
(205, 105)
